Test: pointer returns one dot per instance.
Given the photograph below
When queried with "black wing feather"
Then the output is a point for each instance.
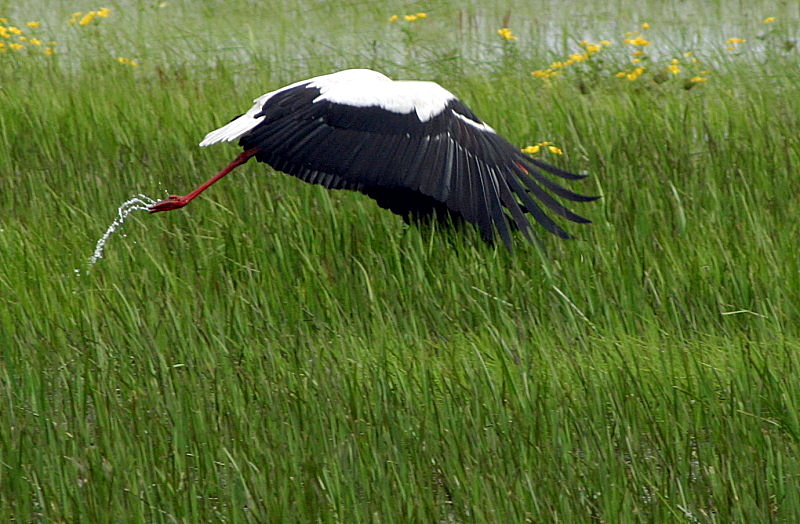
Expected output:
(512, 205)
(441, 190)
(556, 171)
(499, 219)
(533, 208)
(482, 207)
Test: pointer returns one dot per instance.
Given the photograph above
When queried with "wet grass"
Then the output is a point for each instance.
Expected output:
(277, 353)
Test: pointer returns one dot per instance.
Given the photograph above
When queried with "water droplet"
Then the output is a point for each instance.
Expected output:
(137, 203)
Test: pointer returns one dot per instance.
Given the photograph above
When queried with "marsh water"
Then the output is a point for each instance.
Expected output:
(272, 33)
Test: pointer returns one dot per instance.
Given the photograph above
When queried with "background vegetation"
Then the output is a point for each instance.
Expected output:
(279, 353)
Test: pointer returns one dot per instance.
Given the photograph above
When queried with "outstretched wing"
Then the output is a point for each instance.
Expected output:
(413, 136)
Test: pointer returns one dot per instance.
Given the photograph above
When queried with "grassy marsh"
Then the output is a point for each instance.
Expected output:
(277, 353)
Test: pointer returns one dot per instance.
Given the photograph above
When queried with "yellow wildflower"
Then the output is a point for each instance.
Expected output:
(620, 74)
(35, 41)
(49, 51)
(590, 47)
(538, 147)
(645, 26)
(393, 18)
(52, 43)
(638, 52)
(14, 30)
(506, 33)
(638, 41)
(635, 74)
(422, 15)
(23, 39)
(674, 69)
(579, 57)
(735, 41)
(687, 54)
(3, 20)
(33, 24)
(544, 73)
(87, 18)
(697, 79)
(410, 18)
(16, 47)
(769, 19)
(605, 43)
(635, 61)
(674, 61)
(103, 12)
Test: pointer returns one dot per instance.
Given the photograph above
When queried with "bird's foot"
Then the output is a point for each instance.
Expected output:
(173, 202)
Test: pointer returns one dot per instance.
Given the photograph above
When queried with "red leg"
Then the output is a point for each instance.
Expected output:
(178, 201)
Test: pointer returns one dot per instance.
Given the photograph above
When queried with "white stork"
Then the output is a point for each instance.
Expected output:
(412, 146)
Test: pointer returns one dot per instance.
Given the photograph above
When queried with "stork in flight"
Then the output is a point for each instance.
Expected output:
(411, 146)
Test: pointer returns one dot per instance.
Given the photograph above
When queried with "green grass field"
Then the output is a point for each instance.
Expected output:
(279, 353)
